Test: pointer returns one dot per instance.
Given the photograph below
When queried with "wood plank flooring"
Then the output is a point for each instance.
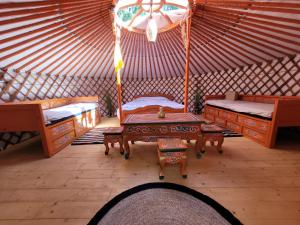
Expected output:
(260, 186)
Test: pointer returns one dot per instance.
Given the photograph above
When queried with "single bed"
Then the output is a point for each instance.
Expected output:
(255, 116)
(59, 121)
(150, 103)
(58, 114)
(252, 108)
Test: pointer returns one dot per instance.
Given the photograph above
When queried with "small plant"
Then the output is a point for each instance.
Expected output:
(197, 101)
(109, 104)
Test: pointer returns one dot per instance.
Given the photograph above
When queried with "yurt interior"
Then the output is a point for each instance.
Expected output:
(149, 112)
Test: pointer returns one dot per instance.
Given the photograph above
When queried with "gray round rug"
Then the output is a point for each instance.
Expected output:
(163, 204)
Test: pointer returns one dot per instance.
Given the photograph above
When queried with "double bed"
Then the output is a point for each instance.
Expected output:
(150, 103)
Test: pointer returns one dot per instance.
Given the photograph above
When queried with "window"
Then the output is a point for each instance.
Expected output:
(134, 15)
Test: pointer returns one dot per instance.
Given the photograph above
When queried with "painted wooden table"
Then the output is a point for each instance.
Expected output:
(148, 128)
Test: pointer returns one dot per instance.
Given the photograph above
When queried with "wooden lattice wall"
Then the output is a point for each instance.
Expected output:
(278, 77)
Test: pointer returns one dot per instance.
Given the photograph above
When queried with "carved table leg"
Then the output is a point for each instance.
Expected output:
(219, 146)
(106, 146)
(198, 147)
(132, 142)
(112, 145)
(121, 147)
(202, 144)
(127, 149)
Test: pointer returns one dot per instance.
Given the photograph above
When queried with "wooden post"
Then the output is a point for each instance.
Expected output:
(118, 74)
(119, 86)
(187, 62)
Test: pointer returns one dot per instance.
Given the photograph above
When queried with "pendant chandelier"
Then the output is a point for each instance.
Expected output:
(151, 30)
(150, 17)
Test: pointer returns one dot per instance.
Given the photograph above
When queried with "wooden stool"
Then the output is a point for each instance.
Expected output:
(212, 133)
(113, 135)
(172, 151)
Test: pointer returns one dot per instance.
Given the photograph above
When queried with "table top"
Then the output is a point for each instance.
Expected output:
(113, 130)
(171, 145)
(153, 118)
(211, 128)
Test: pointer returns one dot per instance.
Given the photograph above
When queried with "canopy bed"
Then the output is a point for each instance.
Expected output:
(59, 121)
(150, 103)
(255, 116)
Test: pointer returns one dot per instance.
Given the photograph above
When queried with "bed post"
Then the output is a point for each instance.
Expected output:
(272, 134)
(187, 61)
(48, 152)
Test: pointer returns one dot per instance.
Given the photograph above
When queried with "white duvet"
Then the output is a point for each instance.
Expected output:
(54, 114)
(254, 108)
(148, 101)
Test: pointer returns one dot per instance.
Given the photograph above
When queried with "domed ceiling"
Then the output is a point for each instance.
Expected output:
(75, 38)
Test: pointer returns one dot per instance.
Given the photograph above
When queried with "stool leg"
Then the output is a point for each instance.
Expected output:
(219, 146)
(158, 161)
(121, 148)
(106, 147)
(162, 164)
(183, 168)
(203, 143)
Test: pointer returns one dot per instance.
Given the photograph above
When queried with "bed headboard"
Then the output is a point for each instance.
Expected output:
(259, 98)
(155, 94)
(252, 98)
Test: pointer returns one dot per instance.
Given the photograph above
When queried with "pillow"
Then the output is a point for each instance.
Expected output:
(159, 98)
(231, 95)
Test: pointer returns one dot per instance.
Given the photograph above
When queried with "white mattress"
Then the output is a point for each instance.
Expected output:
(54, 114)
(148, 101)
(254, 108)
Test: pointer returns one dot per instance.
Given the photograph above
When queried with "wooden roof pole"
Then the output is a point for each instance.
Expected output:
(119, 86)
(187, 61)
(118, 75)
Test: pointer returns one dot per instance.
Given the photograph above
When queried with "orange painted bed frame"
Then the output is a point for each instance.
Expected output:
(28, 116)
(286, 114)
(151, 108)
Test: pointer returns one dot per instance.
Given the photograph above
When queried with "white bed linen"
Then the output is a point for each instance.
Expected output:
(148, 101)
(65, 111)
(254, 108)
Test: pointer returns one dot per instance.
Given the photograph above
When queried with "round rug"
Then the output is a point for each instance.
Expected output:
(163, 204)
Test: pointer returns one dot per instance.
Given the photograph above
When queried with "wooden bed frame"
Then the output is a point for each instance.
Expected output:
(152, 108)
(28, 116)
(264, 131)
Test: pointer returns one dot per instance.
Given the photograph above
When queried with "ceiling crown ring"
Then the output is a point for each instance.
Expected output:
(150, 16)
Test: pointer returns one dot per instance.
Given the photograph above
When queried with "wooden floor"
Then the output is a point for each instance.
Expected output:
(260, 186)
